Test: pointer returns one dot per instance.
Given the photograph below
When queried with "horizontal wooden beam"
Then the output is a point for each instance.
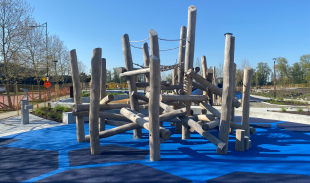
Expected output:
(210, 86)
(194, 98)
(107, 99)
(85, 107)
(123, 69)
(135, 72)
(194, 125)
(105, 115)
(138, 119)
(145, 84)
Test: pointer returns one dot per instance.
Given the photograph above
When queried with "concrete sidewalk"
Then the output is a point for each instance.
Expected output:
(13, 125)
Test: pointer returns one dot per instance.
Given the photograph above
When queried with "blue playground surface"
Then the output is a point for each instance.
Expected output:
(279, 153)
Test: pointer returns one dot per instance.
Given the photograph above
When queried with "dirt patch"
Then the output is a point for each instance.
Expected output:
(307, 113)
(287, 102)
(53, 114)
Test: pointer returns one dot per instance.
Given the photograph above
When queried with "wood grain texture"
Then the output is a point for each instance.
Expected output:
(228, 87)
(131, 81)
(103, 88)
(248, 72)
(80, 133)
(94, 102)
(154, 141)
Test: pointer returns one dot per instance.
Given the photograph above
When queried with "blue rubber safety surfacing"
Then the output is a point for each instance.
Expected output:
(273, 150)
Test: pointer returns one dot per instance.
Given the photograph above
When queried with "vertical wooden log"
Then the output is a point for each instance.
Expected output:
(234, 78)
(146, 58)
(189, 59)
(178, 126)
(239, 146)
(213, 81)
(94, 101)
(204, 75)
(174, 76)
(227, 95)
(154, 47)
(210, 92)
(103, 88)
(246, 100)
(181, 55)
(131, 81)
(80, 133)
(154, 108)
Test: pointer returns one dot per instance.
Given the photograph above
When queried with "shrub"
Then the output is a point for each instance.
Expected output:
(300, 109)
(85, 94)
(51, 115)
(39, 111)
(283, 109)
(59, 116)
(61, 108)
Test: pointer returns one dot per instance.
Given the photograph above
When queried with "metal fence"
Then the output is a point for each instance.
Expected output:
(11, 95)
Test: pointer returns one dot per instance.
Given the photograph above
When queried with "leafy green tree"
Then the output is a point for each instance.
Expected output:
(283, 69)
(262, 73)
(297, 73)
(116, 77)
(305, 65)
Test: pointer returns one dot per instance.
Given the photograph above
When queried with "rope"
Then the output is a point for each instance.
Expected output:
(136, 47)
(139, 41)
(162, 67)
(171, 39)
(169, 49)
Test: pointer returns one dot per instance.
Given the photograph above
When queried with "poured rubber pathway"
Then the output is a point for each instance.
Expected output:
(280, 152)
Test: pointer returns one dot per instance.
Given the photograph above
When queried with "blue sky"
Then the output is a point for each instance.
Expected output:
(263, 29)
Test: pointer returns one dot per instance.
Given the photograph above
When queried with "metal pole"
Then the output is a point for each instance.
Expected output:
(46, 51)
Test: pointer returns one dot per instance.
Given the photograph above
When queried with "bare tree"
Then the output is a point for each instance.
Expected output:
(33, 52)
(219, 71)
(14, 18)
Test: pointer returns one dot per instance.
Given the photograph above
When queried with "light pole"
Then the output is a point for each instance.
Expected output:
(55, 61)
(33, 26)
(274, 77)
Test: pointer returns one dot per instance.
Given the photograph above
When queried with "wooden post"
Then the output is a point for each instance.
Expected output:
(154, 47)
(239, 140)
(189, 59)
(214, 82)
(131, 81)
(181, 58)
(146, 59)
(80, 133)
(246, 100)
(103, 81)
(174, 76)
(227, 96)
(154, 108)
(181, 55)
(210, 92)
(94, 102)
(204, 75)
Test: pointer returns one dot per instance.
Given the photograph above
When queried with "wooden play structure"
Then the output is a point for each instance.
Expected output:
(175, 107)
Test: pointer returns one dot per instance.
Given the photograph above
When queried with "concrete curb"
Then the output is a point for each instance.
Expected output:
(283, 105)
(264, 114)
